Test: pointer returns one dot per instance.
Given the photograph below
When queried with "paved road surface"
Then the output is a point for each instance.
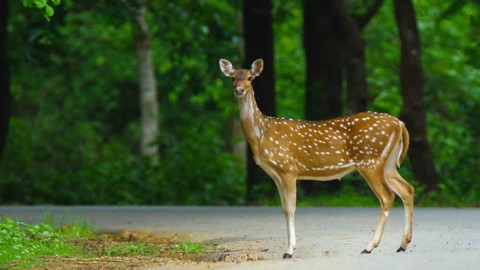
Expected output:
(327, 238)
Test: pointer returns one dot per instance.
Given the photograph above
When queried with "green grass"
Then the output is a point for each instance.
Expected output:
(189, 247)
(129, 249)
(24, 245)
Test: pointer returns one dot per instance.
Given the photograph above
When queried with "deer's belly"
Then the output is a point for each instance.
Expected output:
(320, 172)
(325, 174)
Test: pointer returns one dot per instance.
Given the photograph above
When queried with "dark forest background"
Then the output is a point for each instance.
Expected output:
(122, 102)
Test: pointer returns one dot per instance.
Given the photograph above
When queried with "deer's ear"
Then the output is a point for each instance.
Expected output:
(257, 67)
(226, 67)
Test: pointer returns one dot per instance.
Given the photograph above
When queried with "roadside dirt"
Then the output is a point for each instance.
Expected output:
(167, 253)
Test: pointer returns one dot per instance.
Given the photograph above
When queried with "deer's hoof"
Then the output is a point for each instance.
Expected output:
(401, 249)
(366, 251)
(287, 256)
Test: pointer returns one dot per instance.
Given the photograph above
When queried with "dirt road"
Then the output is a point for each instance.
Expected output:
(327, 238)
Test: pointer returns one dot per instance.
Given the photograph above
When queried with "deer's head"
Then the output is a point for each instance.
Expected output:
(242, 78)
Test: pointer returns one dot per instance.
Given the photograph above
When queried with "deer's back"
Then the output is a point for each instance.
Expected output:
(319, 149)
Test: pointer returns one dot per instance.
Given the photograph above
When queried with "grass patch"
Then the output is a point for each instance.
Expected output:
(127, 249)
(131, 249)
(24, 246)
(189, 247)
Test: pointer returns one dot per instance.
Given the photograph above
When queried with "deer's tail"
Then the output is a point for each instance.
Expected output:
(405, 141)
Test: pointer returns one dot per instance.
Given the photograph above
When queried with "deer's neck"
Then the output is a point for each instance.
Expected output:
(252, 120)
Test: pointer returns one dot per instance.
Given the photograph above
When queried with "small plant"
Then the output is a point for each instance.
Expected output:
(189, 247)
(128, 249)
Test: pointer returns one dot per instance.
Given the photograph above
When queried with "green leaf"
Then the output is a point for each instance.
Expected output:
(56, 2)
(453, 9)
(27, 3)
(49, 11)
(40, 4)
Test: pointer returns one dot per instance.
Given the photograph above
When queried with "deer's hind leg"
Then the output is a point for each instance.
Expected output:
(404, 190)
(376, 180)
(406, 193)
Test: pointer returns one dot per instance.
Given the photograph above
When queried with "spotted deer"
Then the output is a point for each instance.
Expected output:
(289, 150)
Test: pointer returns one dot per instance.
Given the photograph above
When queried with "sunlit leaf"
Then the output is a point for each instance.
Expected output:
(40, 3)
(49, 11)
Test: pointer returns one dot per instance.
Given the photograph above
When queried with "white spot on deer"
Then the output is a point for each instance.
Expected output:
(257, 131)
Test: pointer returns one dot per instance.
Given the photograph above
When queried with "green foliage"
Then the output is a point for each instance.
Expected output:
(289, 62)
(453, 94)
(23, 245)
(74, 130)
(74, 133)
(452, 91)
(43, 5)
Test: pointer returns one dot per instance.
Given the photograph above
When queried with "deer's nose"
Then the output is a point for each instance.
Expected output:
(239, 91)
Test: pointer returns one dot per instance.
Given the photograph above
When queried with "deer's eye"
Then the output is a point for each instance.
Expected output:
(250, 78)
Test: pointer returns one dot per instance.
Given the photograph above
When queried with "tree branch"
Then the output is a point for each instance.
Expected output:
(362, 21)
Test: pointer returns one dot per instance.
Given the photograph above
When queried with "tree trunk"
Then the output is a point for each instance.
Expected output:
(357, 86)
(4, 78)
(258, 35)
(411, 81)
(147, 85)
(333, 44)
(354, 45)
(323, 53)
(237, 145)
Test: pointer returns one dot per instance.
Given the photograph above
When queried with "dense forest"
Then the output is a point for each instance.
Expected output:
(122, 102)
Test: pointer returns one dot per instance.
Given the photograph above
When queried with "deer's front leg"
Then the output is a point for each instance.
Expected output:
(288, 194)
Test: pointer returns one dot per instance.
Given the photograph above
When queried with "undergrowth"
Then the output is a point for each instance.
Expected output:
(24, 246)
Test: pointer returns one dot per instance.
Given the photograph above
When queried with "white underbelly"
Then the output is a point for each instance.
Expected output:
(329, 177)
